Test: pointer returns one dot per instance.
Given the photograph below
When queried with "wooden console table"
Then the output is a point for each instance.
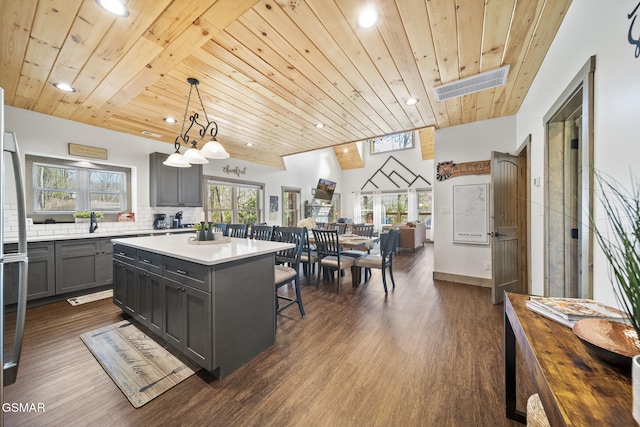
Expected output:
(575, 388)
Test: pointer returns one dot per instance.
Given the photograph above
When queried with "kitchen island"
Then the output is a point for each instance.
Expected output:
(214, 303)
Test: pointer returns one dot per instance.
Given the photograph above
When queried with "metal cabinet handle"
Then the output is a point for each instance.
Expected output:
(146, 261)
(121, 253)
(181, 272)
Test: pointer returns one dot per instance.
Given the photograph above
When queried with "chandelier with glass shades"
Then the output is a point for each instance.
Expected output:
(212, 149)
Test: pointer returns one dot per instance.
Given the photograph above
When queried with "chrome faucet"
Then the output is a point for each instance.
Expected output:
(93, 225)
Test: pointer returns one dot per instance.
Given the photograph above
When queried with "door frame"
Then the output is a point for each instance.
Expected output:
(524, 214)
(583, 80)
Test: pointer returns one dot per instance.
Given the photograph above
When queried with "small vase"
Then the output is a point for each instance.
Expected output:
(210, 232)
(202, 235)
(635, 378)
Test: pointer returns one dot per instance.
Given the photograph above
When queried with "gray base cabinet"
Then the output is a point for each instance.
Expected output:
(137, 288)
(106, 261)
(83, 264)
(219, 316)
(188, 321)
(41, 272)
(151, 301)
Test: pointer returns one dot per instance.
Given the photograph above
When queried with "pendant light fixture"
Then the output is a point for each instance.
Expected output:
(212, 149)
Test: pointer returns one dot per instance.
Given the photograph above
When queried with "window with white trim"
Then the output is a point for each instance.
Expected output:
(233, 202)
(57, 188)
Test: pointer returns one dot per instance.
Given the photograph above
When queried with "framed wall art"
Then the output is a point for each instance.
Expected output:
(471, 214)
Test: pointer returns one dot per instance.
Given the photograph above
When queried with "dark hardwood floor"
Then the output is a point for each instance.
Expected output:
(427, 354)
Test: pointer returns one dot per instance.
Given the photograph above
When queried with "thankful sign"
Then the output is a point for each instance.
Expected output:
(236, 171)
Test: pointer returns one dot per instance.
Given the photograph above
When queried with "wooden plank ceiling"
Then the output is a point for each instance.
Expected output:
(271, 70)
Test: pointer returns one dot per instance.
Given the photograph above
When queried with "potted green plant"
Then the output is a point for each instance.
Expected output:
(619, 239)
(84, 216)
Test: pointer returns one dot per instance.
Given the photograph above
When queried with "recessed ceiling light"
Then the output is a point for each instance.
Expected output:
(115, 7)
(411, 101)
(346, 150)
(319, 125)
(64, 86)
(249, 144)
(170, 120)
(367, 18)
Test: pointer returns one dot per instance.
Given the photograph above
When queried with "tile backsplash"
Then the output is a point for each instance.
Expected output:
(144, 221)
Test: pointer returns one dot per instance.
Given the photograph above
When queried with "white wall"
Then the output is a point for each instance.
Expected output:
(465, 143)
(598, 28)
(40, 134)
(354, 179)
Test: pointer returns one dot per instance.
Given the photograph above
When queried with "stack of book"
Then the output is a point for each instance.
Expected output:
(569, 310)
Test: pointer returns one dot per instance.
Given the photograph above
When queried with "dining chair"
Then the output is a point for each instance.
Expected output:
(364, 230)
(261, 232)
(309, 257)
(220, 227)
(329, 257)
(320, 225)
(384, 261)
(288, 265)
(340, 226)
(237, 230)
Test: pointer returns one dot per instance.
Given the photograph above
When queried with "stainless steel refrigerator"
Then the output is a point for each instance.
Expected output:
(10, 358)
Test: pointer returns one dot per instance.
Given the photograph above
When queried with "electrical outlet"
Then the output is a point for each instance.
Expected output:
(487, 265)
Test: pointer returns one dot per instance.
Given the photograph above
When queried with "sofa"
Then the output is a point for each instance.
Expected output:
(412, 235)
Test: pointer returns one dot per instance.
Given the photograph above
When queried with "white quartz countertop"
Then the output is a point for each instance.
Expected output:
(177, 246)
(98, 233)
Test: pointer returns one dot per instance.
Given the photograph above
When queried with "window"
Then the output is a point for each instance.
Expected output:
(394, 142)
(290, 206)
(366, 209)
(105, 191)
(394, 207)
(233, 202)
(425, 201)
(57, 188)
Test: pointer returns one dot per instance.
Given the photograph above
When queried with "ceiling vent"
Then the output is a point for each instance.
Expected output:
(147, 133)
(482, 81)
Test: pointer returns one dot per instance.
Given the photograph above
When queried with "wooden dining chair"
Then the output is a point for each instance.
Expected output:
(288, 265)
(384, 261)
(237, 230)
(341, 227)
(219, 227)
(329, 257)
(309, 257)
(364, 230)
(261, 232)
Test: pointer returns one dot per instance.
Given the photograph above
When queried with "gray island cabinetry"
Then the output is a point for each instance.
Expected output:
(213, 303)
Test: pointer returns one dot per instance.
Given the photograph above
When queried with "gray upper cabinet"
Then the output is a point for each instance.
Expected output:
(170, 186)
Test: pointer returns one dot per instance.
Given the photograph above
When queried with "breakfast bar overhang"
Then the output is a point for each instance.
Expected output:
(214, 303)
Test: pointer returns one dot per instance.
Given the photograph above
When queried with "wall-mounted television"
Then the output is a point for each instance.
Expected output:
(325, 189)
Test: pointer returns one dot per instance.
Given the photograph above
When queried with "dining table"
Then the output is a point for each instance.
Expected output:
(353, 242)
